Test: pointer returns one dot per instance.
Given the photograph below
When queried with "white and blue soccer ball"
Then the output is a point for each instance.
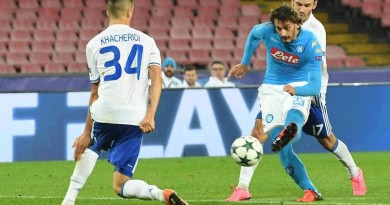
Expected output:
(246, 151)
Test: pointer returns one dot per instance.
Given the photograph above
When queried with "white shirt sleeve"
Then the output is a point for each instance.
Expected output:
(155, 58)
(94, 76)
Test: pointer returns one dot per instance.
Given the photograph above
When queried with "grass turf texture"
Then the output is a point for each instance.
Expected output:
(200, 180)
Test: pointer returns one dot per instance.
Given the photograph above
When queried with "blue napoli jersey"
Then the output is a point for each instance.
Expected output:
(286, 62)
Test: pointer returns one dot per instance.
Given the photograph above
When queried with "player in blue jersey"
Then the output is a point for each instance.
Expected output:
(122, 106)
(318, 124)
(293, 75)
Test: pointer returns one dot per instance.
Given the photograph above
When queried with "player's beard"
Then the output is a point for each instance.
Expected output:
(169, 73)
(303, 16)
(286, 39)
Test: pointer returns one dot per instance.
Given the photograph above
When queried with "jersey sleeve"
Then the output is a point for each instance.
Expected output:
(94, 76)
(314, 55)
(313, 67)
(155, 58)
(322, 38)
(255, 36)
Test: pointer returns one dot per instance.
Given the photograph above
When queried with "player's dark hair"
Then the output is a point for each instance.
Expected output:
(285, 13)
(116, 8)
(217, 62)
(191, 68)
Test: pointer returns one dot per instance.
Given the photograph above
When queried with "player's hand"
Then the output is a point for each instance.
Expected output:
(290, 89)
(80, 144)
(147, 125)
(238, 71)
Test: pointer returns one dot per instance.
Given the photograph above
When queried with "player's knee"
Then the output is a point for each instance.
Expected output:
(327, 142)
(258, 131)
(255, 133)
(119, 182)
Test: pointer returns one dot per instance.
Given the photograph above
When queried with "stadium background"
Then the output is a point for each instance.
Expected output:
(43, 70)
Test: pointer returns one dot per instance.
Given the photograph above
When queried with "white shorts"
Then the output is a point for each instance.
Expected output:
(275, 103)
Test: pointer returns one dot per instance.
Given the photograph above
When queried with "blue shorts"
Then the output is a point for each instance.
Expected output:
(123, 143)
(317, 124)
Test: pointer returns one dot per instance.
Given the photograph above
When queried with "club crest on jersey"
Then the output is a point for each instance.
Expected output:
(300, 48)
(284, 56)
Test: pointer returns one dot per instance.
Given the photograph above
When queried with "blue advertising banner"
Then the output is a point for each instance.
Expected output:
(191, 122)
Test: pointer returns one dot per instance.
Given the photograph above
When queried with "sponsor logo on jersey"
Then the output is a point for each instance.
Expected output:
(300, 48)
(284, 56)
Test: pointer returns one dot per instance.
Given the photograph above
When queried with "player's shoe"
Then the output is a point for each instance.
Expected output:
(171, 198)
(358, 184)
(284, 137)
(310, 196)
(239, 194)
(67, 202)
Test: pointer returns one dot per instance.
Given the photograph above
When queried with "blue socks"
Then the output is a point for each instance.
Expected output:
(290, 161)
(295, 168)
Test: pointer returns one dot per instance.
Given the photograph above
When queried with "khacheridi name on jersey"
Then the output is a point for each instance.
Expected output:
(120, 38)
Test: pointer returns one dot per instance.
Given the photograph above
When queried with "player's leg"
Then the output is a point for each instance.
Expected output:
(81, 172)
(124, 156)
(295, 168)
(246, 173)
(318, 125)
(241, 192)
(297, 112)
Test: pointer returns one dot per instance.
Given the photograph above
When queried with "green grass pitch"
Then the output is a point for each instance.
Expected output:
(200, 180)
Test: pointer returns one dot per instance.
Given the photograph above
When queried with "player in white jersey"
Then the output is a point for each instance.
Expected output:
(318, 117)
(122, 106)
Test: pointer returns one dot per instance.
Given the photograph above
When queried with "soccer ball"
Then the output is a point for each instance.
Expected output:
(246, 151)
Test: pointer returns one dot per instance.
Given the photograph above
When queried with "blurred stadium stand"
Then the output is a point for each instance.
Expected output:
(49, 36)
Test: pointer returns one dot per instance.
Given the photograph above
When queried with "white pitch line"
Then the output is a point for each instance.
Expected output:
(252, 201)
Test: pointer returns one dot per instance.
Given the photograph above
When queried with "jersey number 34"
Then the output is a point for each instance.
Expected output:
(136, 51)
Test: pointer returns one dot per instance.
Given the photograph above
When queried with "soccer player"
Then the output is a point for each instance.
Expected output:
(121, 60)
(318, 124)
(170, 81)
(217, 78)
(293, 75)
(191, 78)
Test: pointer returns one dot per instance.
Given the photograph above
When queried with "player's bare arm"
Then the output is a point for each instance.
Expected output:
(84, 140)
(148, 124)
(238, 71)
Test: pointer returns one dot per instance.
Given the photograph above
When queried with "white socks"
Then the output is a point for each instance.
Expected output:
(246, 174)
(344, 156)
(141, 190)
(81, 173)
(131, 189)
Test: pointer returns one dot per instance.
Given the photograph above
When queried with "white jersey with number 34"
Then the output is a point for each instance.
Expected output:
(118, 59)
